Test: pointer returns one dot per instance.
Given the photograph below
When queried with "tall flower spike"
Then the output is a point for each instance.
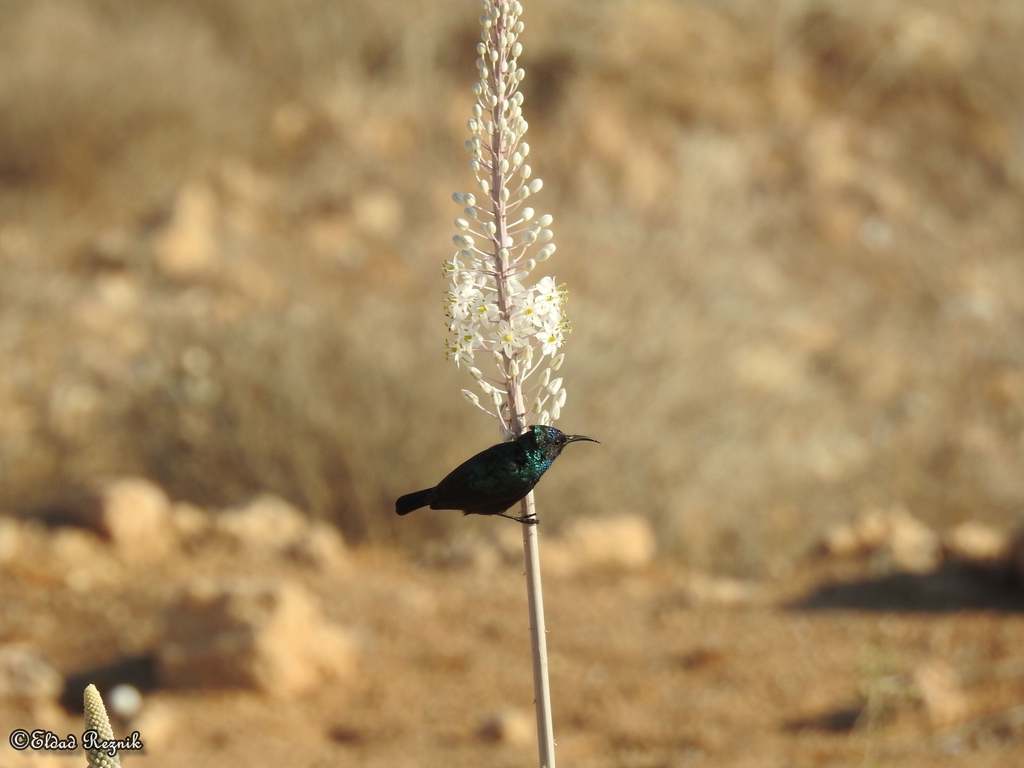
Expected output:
(501, 325)
(489, 306)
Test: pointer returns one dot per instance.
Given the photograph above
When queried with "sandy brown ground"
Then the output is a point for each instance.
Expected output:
(642, 673)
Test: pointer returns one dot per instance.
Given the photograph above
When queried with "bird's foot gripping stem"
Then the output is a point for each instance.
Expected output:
(524, 519)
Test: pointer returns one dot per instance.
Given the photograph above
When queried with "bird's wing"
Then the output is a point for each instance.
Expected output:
(491, 481)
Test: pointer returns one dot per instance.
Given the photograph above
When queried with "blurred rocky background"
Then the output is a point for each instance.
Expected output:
(791, 232)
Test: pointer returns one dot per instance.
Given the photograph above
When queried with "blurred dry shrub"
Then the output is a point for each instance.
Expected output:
(791, 233)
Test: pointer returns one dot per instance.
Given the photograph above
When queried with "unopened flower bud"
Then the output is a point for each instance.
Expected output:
(462, 224)
(471, 397)
(513, 368)
(560, 399)
(497, 396)
(556, 363)
(554, 386)
(545, 253)
(475, 373)
(527, 214)
(545, 377)
(544, 235)
(525, 171)
(545, 220)
(536, 185)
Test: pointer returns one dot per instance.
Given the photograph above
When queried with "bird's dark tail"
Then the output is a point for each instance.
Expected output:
(411, 501)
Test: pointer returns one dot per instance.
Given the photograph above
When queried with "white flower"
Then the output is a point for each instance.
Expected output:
(550, 338)
(547, 290)
(526, 309)
(509, 340)
(462, 299)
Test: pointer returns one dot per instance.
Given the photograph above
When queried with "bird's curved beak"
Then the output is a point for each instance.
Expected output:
(578, 438)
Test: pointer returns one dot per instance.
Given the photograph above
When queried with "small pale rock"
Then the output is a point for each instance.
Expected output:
(136, 514)
(267, 524)
(514, 727)
(26, 677)
(626, 542)
(190, 522)
(82, 559)
(188, 245)
(265, 635)
(11, 539)
(941, 693)
(842, 541)
(71, 545)
(722, 592)
(915, 547)
(322, 547)
(910, 544)
(975, 542)
(873, 528)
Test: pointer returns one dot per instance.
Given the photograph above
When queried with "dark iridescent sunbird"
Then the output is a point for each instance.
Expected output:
(495, 479)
